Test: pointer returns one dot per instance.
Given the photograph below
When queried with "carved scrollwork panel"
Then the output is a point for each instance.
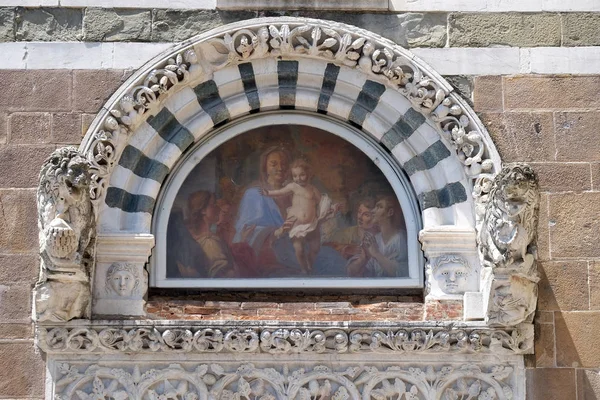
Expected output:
(286, 341)
(227, 381)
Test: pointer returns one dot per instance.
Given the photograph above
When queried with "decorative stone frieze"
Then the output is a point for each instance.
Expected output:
(66, 226)
(302, 380)
(407, 339)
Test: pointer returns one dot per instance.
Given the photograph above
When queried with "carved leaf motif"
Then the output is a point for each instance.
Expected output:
(303, 394)
(330, 42)
(98, 386)
(474, 389)
(501, 372)
(413, 393)
(507, 392)
(243, 389)
(120, 395)
(341, 394)
(303, 41)
(217, 369)
(451, 394)
(462, 386)
(84, 396)
(489, 394)
(399, 385)
(202, 370)
(227, 395)
(378, 394)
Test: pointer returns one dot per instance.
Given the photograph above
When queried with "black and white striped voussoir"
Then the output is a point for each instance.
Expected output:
(167, 126)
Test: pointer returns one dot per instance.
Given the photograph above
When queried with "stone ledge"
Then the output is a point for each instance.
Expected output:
(341, 5)
(274, 337)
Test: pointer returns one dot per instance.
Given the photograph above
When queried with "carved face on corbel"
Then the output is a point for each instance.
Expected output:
(122, 279)
(452, 273)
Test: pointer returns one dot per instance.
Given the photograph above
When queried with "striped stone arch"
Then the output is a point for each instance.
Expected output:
(256, 66)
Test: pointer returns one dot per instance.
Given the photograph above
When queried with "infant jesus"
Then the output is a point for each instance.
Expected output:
(309, 208)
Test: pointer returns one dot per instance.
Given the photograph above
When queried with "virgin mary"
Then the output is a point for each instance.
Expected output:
(261, 225)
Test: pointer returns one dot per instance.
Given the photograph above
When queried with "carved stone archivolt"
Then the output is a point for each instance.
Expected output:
(289, 38)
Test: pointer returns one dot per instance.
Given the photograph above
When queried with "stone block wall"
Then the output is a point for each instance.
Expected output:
(531, 119)
(532, 73)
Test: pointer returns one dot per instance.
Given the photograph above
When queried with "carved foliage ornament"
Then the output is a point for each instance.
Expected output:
(327, 41)
(66, 227)
(286, 341)
(246, 381)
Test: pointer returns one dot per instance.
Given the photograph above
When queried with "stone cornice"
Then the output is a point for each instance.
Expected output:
(270, 337)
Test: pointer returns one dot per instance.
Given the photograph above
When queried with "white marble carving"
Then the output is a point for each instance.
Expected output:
(453, 264)
(507, 245)
(301, 381)
(122, 279)
(333, 42)
(134, 359)
(66, 227)
(286, 340)
(452, 272)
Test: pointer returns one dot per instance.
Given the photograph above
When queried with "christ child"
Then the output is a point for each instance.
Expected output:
(308, 208)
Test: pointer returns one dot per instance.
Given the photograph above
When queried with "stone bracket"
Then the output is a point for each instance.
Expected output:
(453, 266)
(121, 281)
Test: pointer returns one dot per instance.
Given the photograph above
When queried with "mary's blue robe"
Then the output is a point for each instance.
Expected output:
(263, 212)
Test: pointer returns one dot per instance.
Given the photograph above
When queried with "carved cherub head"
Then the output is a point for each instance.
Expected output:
(122, 279)
(451, 272)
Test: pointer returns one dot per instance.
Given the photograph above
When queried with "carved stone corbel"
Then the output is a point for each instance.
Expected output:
(453, 265)
(507, 246)
(121, 281)
(66, 229)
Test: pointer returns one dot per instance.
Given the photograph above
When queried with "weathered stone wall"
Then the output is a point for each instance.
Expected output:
(547, 120)
(408, 29)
